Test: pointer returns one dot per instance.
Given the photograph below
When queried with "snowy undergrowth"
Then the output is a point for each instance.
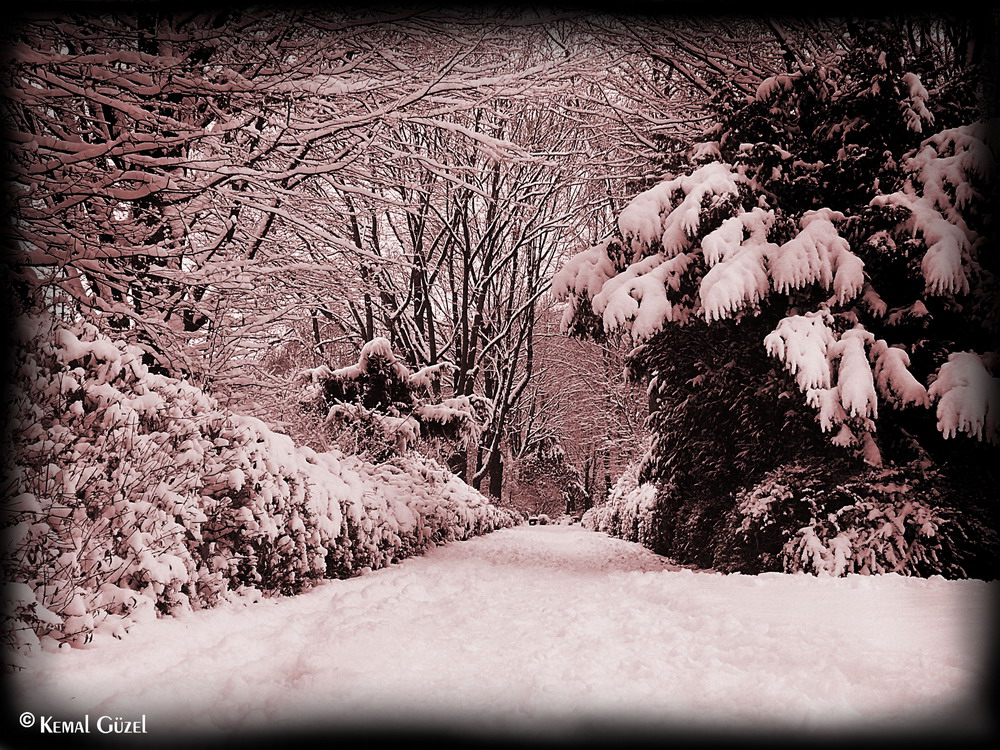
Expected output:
(132, 495)
(887, 522)
(628, 511)
(807, 518)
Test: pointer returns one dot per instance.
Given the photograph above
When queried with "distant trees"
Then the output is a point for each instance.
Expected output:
(544, 481)
(465, 241)
(580, 401)
(457, 242)
(820, 262)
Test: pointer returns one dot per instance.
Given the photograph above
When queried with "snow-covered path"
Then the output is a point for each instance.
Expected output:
(544, 628)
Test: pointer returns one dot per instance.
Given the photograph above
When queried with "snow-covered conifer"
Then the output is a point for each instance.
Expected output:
(822, 255)
(386, 406)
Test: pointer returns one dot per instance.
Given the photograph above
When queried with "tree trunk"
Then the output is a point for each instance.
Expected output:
(496, 472)
(607, 472)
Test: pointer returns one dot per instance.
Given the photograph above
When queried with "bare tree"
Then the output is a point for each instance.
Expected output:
(166, 165)
(244, 193)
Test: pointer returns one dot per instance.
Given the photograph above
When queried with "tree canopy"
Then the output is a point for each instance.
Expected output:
(822, 260)
(800, 242)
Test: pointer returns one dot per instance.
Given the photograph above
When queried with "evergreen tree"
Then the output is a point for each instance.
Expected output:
(385, 408)
(814, 284)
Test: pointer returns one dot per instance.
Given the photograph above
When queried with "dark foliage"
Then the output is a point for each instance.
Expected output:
(729, 426)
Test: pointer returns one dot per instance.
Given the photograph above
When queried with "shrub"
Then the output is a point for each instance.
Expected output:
(131, 495)
(809, 518)
(629, 511)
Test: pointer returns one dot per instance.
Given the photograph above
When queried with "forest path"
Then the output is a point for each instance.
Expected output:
(539, 628)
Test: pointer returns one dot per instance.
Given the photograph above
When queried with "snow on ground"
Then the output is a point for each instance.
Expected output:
(538, 629)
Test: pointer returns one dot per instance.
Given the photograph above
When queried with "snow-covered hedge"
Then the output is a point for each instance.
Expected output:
(130, 494)
(813, 517)
(628, 511)
(409, 504)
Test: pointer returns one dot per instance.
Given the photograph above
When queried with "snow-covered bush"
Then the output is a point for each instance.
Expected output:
(628, 512)
(382, 408)
(806, 518)
(104, 506)
(873, 537)
(129, 494)
(408, 504)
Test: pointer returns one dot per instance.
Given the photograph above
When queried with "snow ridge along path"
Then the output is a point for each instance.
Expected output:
(539, 630)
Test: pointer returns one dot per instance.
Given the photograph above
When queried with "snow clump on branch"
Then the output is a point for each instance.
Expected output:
(699, 246)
